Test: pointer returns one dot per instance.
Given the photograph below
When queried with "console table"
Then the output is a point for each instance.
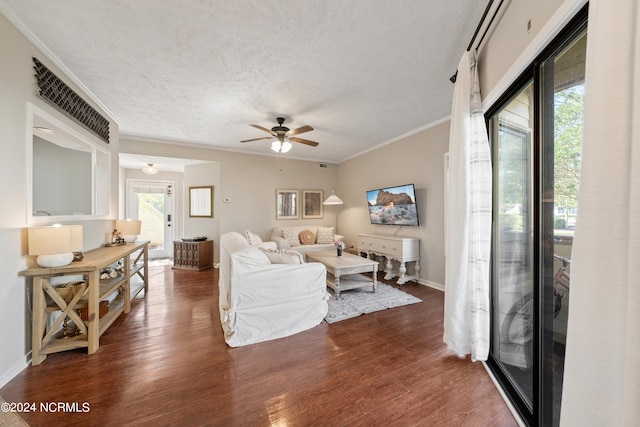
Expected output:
(88, 310)
(193, 255)
(401, 249)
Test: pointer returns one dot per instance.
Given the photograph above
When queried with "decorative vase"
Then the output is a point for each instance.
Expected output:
(339, 251)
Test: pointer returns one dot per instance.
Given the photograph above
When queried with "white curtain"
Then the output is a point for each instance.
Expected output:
(468, 231)
(602, 364)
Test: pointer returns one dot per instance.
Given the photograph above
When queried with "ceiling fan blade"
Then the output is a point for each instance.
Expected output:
(264, 129)
(304, 141)
(257, 139)
(301, 129)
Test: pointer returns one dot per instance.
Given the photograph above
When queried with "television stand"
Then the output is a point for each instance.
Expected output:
(401, 249)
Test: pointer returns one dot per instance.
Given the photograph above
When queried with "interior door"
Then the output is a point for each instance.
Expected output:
(152, 203)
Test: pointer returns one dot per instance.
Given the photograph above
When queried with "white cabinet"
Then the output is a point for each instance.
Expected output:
(401, 249)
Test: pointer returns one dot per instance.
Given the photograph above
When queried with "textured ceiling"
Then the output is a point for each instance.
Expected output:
(361, 72)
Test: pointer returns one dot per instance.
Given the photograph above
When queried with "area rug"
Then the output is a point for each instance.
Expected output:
(355, 302)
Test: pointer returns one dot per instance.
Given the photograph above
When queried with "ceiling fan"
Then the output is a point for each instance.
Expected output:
(283, 135)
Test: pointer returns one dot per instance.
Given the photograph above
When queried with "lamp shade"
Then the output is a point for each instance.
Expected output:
(333, 200)
(54, 244)
(129, 228)
(76, 238)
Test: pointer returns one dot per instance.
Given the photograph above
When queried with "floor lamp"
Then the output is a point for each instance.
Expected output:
(334, 200)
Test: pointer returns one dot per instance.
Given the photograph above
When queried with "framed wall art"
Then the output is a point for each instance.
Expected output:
(287, 204)
(201, 201)
(312, 204)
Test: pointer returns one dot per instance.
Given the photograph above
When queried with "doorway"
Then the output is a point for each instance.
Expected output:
(152, 202)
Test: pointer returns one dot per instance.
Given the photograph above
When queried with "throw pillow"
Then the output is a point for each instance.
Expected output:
(325, 235)
(252, 239)
(291, 234)
(282, 256)
(307, 237)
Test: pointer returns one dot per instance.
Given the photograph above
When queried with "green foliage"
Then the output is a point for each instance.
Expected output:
(514, 150)
(153, 200)
(511, 222)
(568, 133)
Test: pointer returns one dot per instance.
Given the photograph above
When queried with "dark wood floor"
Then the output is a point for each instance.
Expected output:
(166, 364)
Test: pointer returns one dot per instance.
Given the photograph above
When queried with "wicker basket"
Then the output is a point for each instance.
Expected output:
(69, 290)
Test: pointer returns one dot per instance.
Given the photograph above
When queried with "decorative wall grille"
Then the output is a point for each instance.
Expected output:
(56, 92)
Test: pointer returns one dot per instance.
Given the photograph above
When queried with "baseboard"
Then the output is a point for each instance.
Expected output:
(14, 370)
(515, 413)
(430, 284)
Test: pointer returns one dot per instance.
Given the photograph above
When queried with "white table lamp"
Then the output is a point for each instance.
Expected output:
(129, 229)
(54, 245)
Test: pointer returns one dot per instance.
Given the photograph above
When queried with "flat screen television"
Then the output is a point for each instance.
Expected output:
(393, 206)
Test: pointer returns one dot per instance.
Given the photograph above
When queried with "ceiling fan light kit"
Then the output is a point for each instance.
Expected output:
(284, 136)
(281, 147)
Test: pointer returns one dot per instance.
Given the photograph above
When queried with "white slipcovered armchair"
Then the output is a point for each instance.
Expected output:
(261, 300)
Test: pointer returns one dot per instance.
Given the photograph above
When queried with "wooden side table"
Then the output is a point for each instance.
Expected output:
(192, 255)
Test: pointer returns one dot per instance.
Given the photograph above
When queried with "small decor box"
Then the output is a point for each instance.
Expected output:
(104, 309)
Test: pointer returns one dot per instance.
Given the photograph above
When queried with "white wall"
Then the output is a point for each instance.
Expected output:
(203, 175)
(17, 83)
(416, 159)
(512, 47)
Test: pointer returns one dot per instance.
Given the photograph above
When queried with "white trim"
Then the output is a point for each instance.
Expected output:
(398, 138)
(512, 408)
(93, 145)
(558, 21)
(14, 370)
(127, 136)
(133, 138)
(434, 285)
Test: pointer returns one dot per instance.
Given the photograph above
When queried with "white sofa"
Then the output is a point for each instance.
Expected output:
(261, 300)
(289, 238)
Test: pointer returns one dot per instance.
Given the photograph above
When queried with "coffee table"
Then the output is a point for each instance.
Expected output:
(343, 270)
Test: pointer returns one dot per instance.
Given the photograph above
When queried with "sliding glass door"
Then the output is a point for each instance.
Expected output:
(536, 139)
(513, 248)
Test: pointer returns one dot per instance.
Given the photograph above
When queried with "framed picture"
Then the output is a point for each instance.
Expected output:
(287, 204)
(201, 201)
(312, 204)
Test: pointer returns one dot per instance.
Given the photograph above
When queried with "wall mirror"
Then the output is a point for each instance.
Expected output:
(201, 201)
(68, 174)
(287, 204)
